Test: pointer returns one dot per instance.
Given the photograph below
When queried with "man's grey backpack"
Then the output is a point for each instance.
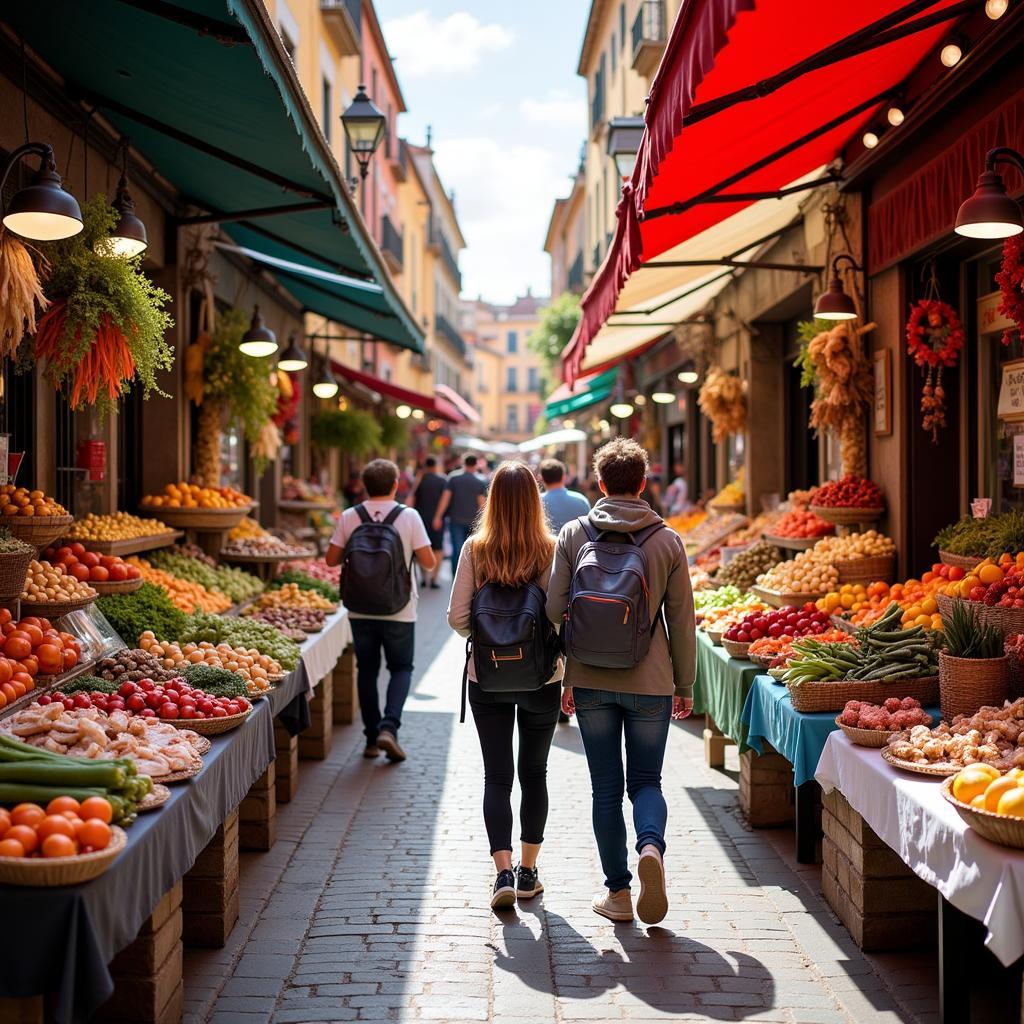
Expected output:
(375, 578)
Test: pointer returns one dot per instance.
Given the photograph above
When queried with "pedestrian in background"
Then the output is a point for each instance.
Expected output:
(461, 503)
(512, 549)
(609, 615)
(426, 498)
(560, 504)
(368, 528)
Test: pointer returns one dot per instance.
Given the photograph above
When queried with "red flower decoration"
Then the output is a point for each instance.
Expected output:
(1011, 284)
(934, 334)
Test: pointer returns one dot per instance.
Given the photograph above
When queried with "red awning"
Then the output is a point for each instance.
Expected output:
(447, 394)
(759, 144)
(430, 404)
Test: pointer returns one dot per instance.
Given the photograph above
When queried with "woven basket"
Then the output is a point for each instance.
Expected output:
(154, 799)
(38, 530)
(13, 573)
(1016, 674)
(715, 636)
(867, 570)
(50, 871)
(120, 587)
(870, 737)
(966, 684)
(723, 508)
(848, 516)
(182, 776)
(1009, 620)
(760, 660)
(996, 828)
(209, 726)
(199, 518)
(792, 543)
(734, 648)
(780, 600)
(961, 561)
(55, 609)
(810, 698)
(938, 769)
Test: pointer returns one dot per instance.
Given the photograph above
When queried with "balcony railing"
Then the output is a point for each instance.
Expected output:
(391, 244)
(648, 36)
(444, 328)
(342, 18)
(437, 239)
(574, 279)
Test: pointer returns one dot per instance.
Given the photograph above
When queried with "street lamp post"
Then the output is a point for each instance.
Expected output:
(364, 128)
(624, 135)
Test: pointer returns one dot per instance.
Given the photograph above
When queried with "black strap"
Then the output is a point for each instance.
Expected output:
(465, 683)
(363, 514)
(394, 514)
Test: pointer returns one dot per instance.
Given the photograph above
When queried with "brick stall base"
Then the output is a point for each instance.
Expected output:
(210, 897)
(286, 764)
(883, 904)
(345, 688)
(257, 813)
(766, 788)
(315, 742)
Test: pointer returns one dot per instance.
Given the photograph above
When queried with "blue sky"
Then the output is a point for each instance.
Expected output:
(498, 84)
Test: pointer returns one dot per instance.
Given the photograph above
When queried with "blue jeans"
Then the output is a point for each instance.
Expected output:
(644, 719)
(396, 639)
(458, 533)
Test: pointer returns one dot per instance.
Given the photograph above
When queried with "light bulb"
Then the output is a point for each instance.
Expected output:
(569, 424)
(870, 140)
(258, 349)
(688, 377)
(895, 116)
(621, 410)
(403, 412)
(995, 9)
(325, 388)
(604, 425)
(418, 414)
(640, 400)
(663, 397)
(950, 54)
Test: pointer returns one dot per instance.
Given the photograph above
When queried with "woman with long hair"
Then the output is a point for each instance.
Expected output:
(512, 548)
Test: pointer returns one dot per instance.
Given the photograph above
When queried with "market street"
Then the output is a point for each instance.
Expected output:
(371, 905)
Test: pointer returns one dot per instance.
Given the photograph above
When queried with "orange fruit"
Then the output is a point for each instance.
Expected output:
(96, 807)
(59, 846)
(1011, 803)
(989, 574)
(973, 781)
(5, 820)
(96, 834)
(27, 814)
(24, 835)
(60, 804)
(996, 790)
(11, 848)
(55, 824)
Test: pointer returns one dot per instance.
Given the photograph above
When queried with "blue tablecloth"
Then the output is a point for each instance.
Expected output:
(800, 738)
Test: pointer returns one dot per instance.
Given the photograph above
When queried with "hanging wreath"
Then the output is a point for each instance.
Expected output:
(934, 339)
(1011, 285)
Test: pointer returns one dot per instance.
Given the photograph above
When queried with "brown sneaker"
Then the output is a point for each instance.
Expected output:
(652, 906)
(616, 906)
(372, 750)
(389, 744)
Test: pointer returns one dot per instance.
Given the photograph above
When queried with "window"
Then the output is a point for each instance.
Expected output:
(325, 92)
(512, 341)
(613, 52)
(511, 381)
(622, 25)
(532, 415)
(533, 379)
(512, 418)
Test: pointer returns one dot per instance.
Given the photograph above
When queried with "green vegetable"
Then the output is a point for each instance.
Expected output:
(9, 544)
(304, 582)
(237, 584)
(983, 538)
(723, 597)
(967, 637)
(107, 774)
(218, 682)
(89, 684)
(148, 608)
(241, 632)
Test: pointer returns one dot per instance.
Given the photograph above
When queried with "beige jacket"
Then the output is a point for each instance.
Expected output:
(461, 601)
(671, 663)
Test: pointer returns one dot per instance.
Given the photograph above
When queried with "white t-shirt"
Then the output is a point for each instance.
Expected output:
(414, 536)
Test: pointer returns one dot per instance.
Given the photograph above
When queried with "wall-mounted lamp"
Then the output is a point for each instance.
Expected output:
(293, 359)
(42, 210)
(128, 237)
(990, 212)
(259, 340)
(835, 304)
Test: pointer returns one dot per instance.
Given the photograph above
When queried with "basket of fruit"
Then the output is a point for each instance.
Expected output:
(106, 574)
(31, 516)
(990, 803)
(49, 590)
(715, 636)
(16, 557)
(871, 725)
(735, 648)
(960, 561)
(880, 568)
(848, 501)
(190, 506)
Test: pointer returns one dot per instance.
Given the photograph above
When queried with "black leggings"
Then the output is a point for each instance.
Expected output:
(494, 724)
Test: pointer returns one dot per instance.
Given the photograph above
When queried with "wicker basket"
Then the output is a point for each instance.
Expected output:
(871, 737)
(734, 648)
(848, 516)
(38, 530)
(792, 543)
(154, 799)
(937, 769)
(199, 518)
(120, 587)
(1016, 674)
(996, 828)
(55, 609)
(50, 871)
(715, 636)
(724, 509)
(966, 684)
(13, 573)
(760, 660)
(811, 698)
(210, 726)
(1009, 620)
(961, 561)
(867, 570)
(779, 600)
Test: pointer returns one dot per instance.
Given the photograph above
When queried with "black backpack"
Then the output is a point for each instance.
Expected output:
(512, 642)
(608, 621)
(375, 579)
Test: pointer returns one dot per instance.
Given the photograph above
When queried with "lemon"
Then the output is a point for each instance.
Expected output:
(973, 781)
(1011, 803)
(995, 792)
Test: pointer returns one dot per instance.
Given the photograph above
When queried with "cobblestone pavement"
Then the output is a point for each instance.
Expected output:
(373, 903)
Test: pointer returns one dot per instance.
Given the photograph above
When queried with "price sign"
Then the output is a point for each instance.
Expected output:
(1018, 460)
(1011, 391)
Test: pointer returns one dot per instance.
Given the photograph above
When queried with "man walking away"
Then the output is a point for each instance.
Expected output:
(461, 503)
(376, 543)
(620, 583)
(426, 497)
(560, 504)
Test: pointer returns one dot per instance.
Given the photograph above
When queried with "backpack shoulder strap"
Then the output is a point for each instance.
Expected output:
(642, 536)
(589, 529)
(363, 514)
(389, 520)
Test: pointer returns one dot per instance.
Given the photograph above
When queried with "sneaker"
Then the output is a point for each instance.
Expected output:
(616, 906)
(504, 894)
(434, 585)
(528, 883)
(652, 906)
(372, 750)
(389, 744)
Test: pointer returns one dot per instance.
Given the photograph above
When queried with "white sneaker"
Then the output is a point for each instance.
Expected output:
(616, 906)
(652, 906)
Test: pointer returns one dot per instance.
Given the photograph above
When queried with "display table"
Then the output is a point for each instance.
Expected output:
(723, 683)
(81, 928)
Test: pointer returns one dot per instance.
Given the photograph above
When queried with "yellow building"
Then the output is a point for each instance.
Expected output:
(566, 239)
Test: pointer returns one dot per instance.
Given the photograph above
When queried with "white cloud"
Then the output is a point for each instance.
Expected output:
(503, 198)
(424, 45)
(558, 107)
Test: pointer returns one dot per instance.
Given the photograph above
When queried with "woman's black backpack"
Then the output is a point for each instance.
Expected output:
(512, 642)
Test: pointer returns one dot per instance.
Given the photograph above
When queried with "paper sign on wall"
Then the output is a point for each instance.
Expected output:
(1018, 460)
(1011, 391)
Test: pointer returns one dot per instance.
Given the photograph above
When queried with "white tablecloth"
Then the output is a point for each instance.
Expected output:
(908, 813)
(321, 651)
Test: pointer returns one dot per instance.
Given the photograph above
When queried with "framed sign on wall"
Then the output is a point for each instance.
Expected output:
(882, 413)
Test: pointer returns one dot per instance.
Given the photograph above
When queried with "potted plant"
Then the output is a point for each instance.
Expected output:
(974, 670)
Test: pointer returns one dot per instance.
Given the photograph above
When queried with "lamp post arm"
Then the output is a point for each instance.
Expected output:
(844, 256)
(1003, 155)
(41, 149)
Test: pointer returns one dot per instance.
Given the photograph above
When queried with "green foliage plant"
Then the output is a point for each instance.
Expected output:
(349, 430)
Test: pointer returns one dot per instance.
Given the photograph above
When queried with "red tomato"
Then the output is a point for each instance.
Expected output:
(90, 558)
(79, 571)
(5, 616)
(99, 573)
(118, 573)
(134, 572)
(7, 689)
(77, 549)
(50, 657)
(108, 560)
(30, 665)
(6, 670)
(30, 620)
(34, 633)
(17, 647)
(70, 658)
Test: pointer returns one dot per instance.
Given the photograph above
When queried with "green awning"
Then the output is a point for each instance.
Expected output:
(205, 91)
(587, 393)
